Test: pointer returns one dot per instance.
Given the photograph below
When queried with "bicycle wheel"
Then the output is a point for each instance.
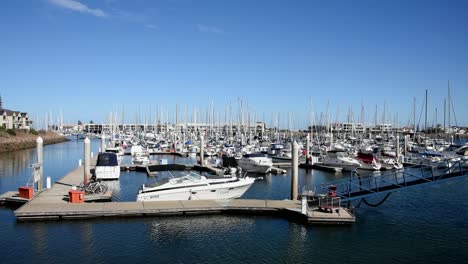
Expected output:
(90, 187)
(101, 189)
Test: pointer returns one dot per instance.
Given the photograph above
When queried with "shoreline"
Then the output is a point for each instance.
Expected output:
(27, 140)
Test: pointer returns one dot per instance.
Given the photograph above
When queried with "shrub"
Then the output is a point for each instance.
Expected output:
(11, 132)
(33, 131)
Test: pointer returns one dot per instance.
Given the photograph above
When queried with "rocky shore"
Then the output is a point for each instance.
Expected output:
(24, 140)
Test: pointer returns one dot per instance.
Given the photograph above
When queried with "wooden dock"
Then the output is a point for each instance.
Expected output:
(12, 197)
(53, 204)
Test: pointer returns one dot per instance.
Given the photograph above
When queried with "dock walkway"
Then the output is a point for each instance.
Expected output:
(53, 204)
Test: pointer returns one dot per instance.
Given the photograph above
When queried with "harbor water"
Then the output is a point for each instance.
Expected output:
(425, 224)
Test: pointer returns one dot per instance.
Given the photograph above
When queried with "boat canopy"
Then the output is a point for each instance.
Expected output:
(107, 159)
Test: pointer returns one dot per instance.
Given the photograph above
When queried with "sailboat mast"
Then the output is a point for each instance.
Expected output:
(425, 117)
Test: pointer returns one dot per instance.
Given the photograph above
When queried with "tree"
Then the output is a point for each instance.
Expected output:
(80, 123)
(91, 122)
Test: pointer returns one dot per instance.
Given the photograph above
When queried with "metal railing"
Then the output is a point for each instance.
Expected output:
(357, 186)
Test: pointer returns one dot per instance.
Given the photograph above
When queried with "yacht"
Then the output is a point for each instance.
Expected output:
(140, 156)
(258, 163)
(192, 186)
(339, 159)
(368, 162)
(107, 166)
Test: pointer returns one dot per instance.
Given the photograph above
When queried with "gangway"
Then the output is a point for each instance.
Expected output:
(358, 187)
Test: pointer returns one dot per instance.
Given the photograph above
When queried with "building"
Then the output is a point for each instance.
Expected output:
(257, 128)
(10, 119)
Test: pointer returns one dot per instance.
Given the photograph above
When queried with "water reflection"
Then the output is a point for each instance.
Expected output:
(15, 162)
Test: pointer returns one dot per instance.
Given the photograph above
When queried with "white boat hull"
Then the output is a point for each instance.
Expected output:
(255, 166)
(107, 172)
(230, 190)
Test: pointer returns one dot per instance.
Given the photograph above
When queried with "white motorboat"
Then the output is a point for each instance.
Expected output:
(107, 166)
(258, 163)
(192, 186)
(140, 160)
(140, 156)
(339, 159)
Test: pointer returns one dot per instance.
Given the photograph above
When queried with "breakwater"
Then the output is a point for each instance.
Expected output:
(25, 140)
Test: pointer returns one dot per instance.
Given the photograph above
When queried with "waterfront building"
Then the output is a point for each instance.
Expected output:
(10, 119)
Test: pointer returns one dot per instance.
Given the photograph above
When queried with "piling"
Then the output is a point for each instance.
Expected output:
(103, 143)
(48, 182)
(398, 148)
(202, 150)
(307, 148)
(87, 160)
(304, 205)
(405, 150)
(40, 160)
(294, 171)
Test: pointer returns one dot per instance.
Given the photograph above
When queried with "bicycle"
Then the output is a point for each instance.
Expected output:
(94, 187)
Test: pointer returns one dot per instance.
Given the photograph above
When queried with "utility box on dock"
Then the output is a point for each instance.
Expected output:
(76, 196)
(26, 192)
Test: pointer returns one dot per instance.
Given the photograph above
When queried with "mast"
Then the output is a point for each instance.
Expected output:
(444, 113)
(449, 100)
(414, 116)
(425, 118)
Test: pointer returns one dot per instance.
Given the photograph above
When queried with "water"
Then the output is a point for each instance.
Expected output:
(426, 224)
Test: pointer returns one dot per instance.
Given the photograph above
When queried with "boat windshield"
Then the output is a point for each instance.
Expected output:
(181, 176)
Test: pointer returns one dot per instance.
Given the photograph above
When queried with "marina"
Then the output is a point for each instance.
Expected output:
(320, 204)
(210, 131)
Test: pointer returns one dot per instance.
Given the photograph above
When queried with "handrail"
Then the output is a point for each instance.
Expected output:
(371, 184)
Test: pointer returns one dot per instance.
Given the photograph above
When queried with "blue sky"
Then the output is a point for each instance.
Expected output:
(87, 58)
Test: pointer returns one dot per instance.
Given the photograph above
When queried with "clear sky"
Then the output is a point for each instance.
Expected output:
(87, 58)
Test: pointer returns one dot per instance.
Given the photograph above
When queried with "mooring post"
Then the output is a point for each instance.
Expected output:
(304, 205)
(294, 170)
(398, 148)
(307, 148)
(40, 161)
(87, 160)
(103, 143)
(406, 146)
(202, 150)
(48, 182)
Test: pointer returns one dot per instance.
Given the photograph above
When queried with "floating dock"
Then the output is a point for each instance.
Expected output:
(320, 166)
(12, 197)
(53, 204)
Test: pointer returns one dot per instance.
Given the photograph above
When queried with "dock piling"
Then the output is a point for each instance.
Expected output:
(202, 150)
(48, 182)
(40, 160)
(307, 148)
(294, 171)
(87, 160)
(304, 205)
(103, 143)
(398, 148)
(405, 151)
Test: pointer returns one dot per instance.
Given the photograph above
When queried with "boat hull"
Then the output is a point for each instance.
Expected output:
(230, 190)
